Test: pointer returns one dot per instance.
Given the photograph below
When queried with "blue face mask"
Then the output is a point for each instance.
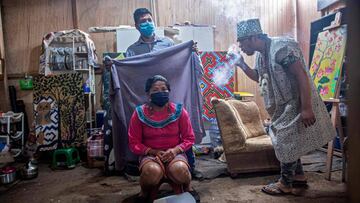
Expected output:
(160, 98)
(147, 29)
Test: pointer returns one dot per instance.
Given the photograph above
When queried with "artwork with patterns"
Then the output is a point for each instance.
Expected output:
(327, 61)
(46, 123)
(62, 92)
(217, 81)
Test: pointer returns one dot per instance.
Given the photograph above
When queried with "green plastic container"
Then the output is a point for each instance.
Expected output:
(26, 84)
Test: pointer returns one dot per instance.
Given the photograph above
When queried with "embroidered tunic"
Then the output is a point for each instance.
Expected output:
(280, 90)
(160, 130)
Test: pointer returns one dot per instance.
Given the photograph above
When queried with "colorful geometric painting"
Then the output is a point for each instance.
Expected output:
(46, 123)
(66, 90)
(217, 81)
(327, 61)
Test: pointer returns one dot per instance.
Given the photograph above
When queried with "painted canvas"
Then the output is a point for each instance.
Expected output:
(327, 61)
(67, 93)
(217, 81)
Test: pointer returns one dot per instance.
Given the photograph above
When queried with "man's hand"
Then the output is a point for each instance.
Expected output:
(107, 61)
(195, 48)
(241, 63)
(170, 154)
(307, 114)
(308, 117)
(237, 59)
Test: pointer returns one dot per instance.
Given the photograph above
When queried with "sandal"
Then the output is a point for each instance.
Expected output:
(274, 189)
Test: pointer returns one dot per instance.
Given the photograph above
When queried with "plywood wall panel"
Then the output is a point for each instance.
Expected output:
(93, 13)
(25, 22)
(306, 13)
(277, 18)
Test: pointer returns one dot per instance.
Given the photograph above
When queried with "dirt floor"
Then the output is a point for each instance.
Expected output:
(89, 185)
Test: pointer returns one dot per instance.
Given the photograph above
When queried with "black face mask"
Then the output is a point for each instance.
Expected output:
(160, 98)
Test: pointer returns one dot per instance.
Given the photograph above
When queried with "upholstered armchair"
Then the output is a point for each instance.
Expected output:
(246, 145)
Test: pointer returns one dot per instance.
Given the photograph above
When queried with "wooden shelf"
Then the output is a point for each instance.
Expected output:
(82, 70)
(84, 54)
(79, 64)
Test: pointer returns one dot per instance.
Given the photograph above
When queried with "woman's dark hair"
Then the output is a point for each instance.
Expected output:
(140, 12)
(153, 79)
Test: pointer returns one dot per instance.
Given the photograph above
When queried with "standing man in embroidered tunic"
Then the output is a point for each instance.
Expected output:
(300, 121)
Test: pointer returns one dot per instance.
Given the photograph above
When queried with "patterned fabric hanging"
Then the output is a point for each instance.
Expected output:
(59, 110)
(217, 81)
(46, 123)
(106, 105)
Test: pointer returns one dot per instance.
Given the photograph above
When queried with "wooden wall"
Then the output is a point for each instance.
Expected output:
(25, 22)
(3, 79)
(306, 13)
(276, 16)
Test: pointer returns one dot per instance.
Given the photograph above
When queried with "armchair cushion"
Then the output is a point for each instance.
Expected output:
(231, 127)
(250, 116)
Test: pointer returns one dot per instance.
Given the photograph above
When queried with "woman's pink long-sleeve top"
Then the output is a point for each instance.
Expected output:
(160, 130)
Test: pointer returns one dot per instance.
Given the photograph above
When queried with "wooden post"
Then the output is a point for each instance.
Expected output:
(3, 65)
(335, 117)
(74, 14)
(330, 150)
(336, 122)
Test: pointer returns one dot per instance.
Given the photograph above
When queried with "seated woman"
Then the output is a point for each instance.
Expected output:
(160, 131)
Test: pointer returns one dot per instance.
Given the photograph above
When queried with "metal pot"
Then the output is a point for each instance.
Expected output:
(8, 175)
(29, 173)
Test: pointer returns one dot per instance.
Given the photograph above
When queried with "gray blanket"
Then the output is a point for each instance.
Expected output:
(183, 70)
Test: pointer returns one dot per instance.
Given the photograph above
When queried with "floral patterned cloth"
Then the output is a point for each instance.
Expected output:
(279, 88)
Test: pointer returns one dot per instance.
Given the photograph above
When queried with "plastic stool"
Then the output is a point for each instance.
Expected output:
(65, 158)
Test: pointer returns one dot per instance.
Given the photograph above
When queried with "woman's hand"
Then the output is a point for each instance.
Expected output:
(170, 154)
(154, 152)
